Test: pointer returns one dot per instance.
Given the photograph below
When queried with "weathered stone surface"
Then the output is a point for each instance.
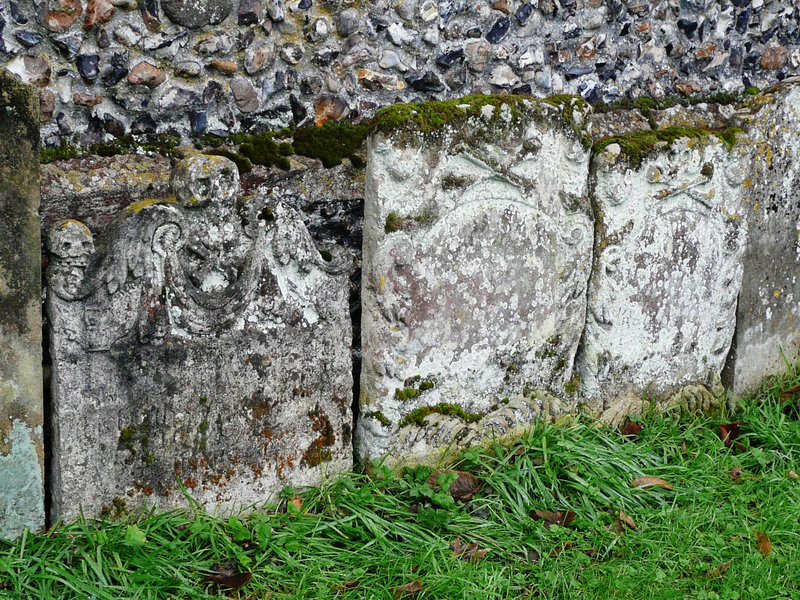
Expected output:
(667, 271)
(196, 13)
(477, 250)
(207, 343)
(767, 328)
(21, 417)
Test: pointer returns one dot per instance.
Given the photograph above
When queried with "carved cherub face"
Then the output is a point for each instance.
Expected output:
(71, 245)
(201, 179)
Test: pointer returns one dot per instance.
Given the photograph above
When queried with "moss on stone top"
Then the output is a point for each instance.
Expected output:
(417, 416)
(428, 117)
(636, 146)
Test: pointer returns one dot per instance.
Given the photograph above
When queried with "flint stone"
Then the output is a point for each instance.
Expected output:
(477, 250)
(21, 416)
(667, 271)
(244, 95)
(196, 13)
(208, 342)
(767, 329)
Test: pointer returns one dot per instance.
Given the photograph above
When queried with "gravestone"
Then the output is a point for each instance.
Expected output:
(768, 315)
(202, 344)
(21, 415)
(477, 250)
(662, 297)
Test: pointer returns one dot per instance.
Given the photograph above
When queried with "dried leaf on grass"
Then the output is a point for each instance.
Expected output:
(463, 488)
(764, 545)
(297, 502)
(790, 393)
(407, 590)
(627, 520)
(562, 518)
(468, 552)
(648, 482)
(348, 585)
(729, 432)
(735, 473)
(792, 475)
(719, 570)
(228, 577)
(631, 429)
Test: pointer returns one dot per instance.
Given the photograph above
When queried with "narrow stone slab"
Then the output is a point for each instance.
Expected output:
(21, 417)
(477, 250)
(768, 316)
(668, 250)
(204, 345)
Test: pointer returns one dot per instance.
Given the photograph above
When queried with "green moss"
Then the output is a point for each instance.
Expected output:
(127, 144)
(451, 182)
(203, 427)
(637, 145)
(203, 399)
(243, 164)
(751, 91)
(417, 417)
(405, 394)
(66, 151)
(707, 170)
(149, 459)
(393, 223)
(285, 149)
(330, 142)
(356, 161)
(424, 386)
(126, 438)
(326, 255)
(573, 384)
(261, 149)
(379, 416)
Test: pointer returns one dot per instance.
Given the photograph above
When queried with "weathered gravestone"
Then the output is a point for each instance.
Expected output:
(477, 250)
(768, 315)
(205, 344)
(21, 417)
(662, 298)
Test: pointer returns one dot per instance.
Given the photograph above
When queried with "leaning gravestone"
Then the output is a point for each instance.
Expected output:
(662, 298)
(477, 250)
(21, 416)
(767, 336)
(205, 346)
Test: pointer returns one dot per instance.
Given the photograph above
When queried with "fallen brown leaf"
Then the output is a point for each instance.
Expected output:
(719, 570)
(409, 589)
(792, 475)
(228, 577)
(729, 432)
(562, 518)
(463, 488)
(764, 545)
(623, 518)
(790, 393)
(735, 473)
(631, 429)
(648, 482)
(348, 585)
(297, 502)
(468, 552)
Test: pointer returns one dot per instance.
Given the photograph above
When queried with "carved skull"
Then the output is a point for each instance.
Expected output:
(201, 179)
(71, 245)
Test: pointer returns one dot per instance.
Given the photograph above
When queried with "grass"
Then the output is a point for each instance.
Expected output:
(388, 535)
